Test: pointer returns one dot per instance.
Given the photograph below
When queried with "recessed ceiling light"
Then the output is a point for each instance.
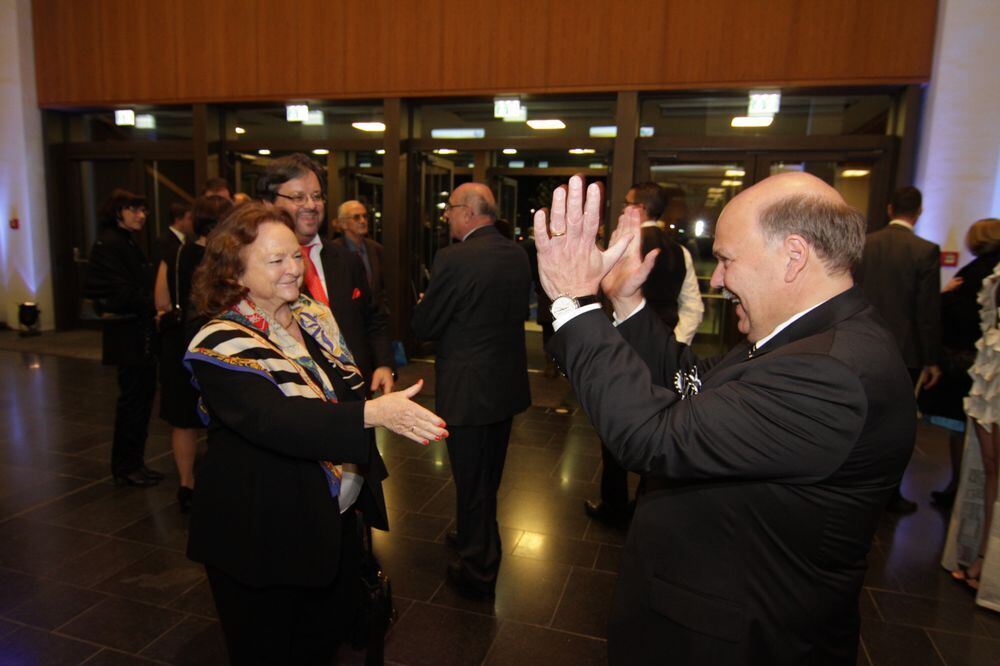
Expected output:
(458, 133)
(582, 151)
(380, 151)
(239, 130)
(752, 121)
(445, 151)
(598, 165)
(550, 124)
(732, 183)
(373, 126)
(735, 173)
(510, 151)
(321, 151)
(855, 173)
(263, 151)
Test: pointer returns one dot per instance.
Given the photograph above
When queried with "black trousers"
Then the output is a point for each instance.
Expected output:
(477, 455)
(290, 624)
(136, 391)
(614, 483)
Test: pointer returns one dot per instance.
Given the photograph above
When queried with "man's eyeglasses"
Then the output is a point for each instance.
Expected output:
(300, 198)
(449, 207)
(357, 217)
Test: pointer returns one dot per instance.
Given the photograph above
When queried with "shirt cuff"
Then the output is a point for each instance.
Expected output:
(558, 322)
(616, 321)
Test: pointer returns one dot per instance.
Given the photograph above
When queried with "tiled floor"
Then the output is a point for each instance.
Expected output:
(94, 574)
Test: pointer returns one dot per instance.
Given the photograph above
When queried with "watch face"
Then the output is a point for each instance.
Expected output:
(562, 305)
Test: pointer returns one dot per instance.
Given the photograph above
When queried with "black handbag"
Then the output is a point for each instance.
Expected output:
(376, 612)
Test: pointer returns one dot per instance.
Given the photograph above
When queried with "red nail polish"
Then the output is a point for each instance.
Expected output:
(425, 442)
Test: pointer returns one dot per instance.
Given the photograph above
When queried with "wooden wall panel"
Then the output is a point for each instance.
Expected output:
(121, 51)
(513, 55)
(138, 49)
(67, 53)
(216, 42)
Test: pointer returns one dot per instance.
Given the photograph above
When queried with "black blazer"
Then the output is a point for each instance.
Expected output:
(262, 507)
(475, 307)
(374, 251)
(120, 283)
(901, 276)
(772, 479)
(362, 318)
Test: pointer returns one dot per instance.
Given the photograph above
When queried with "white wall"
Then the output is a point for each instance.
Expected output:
(25, 267)
(958, 164)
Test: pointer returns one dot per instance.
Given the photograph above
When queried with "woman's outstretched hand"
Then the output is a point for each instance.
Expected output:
(398, 413)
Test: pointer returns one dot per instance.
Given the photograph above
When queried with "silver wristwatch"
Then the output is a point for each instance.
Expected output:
(564, 304)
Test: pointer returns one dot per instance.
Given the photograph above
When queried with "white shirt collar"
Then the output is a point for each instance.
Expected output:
(180, 236)
(902, 223)
(783, 325)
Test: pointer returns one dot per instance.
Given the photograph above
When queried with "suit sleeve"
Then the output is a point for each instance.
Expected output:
(376, 315)
(435, 311)
(790, 418)
(257, 410)
(928, 314)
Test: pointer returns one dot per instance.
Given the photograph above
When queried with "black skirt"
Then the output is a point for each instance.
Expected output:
(178, 397)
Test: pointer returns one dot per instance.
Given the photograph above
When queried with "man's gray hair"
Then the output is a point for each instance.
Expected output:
(835, 230)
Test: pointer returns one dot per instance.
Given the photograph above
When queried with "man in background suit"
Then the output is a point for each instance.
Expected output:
(901, 276)
(773, 461)
(352, 217)
(332, 274)
(474, 308)
(671, 290)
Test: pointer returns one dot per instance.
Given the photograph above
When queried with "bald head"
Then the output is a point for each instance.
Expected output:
(470, 206)
(352, 216)
(802, 204)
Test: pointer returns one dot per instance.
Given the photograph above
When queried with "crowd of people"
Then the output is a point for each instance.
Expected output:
(774, 461)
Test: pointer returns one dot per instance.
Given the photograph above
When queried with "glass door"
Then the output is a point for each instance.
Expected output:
(437, 180)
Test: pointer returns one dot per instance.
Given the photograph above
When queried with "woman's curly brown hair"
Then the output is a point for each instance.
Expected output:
(215, 286)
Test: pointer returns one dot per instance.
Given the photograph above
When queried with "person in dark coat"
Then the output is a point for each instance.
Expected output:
(291, 465)
(767, 468)
(120, 284)
(942, 404)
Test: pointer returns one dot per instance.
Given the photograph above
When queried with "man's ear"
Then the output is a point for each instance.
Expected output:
(797, 252)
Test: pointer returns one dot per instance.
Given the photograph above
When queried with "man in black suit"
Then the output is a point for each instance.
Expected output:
(474, 308)
(767, 467)
(671, 290)
(901, 276)
(352, 217)
(332, 274)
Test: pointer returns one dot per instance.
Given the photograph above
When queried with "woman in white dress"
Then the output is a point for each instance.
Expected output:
(983, 407)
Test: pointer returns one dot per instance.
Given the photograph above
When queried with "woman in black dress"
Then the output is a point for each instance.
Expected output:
(942, 404)
(178, 398)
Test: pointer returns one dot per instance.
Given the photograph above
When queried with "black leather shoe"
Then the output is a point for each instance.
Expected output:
(184, 495)
(152, 473)
(465, 586)
(451, 539)
(901, 505)
(600, 512)
(135, 478)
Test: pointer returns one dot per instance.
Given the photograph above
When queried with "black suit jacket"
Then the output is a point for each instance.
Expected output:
(475, 306)
(262, 507)
(362, 318)
(772, 481)
(376, 280)
(120, 283)
(901, 276)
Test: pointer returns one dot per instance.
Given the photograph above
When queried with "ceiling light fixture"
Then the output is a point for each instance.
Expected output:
(458, 133)
(373, 126)
(855, 173)
(751, 121)
(582, 151)
(239, 130)
(510, 151)
(263, 151)
(549, 124)
(321, 151)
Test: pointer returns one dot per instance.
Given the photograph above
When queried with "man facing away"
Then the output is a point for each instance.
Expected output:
(901, 276)
(332, 274)
(671, 290)
(352, 217)
(775, 460)
(474, 308)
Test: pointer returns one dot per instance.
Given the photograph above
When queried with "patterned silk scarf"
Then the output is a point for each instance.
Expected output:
(246, 339)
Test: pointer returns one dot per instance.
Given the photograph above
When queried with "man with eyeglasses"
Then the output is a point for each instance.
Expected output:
(474, 308)
(353, 220)
(332, 274)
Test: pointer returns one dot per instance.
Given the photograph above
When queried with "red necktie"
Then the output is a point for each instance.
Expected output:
(313, 283)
